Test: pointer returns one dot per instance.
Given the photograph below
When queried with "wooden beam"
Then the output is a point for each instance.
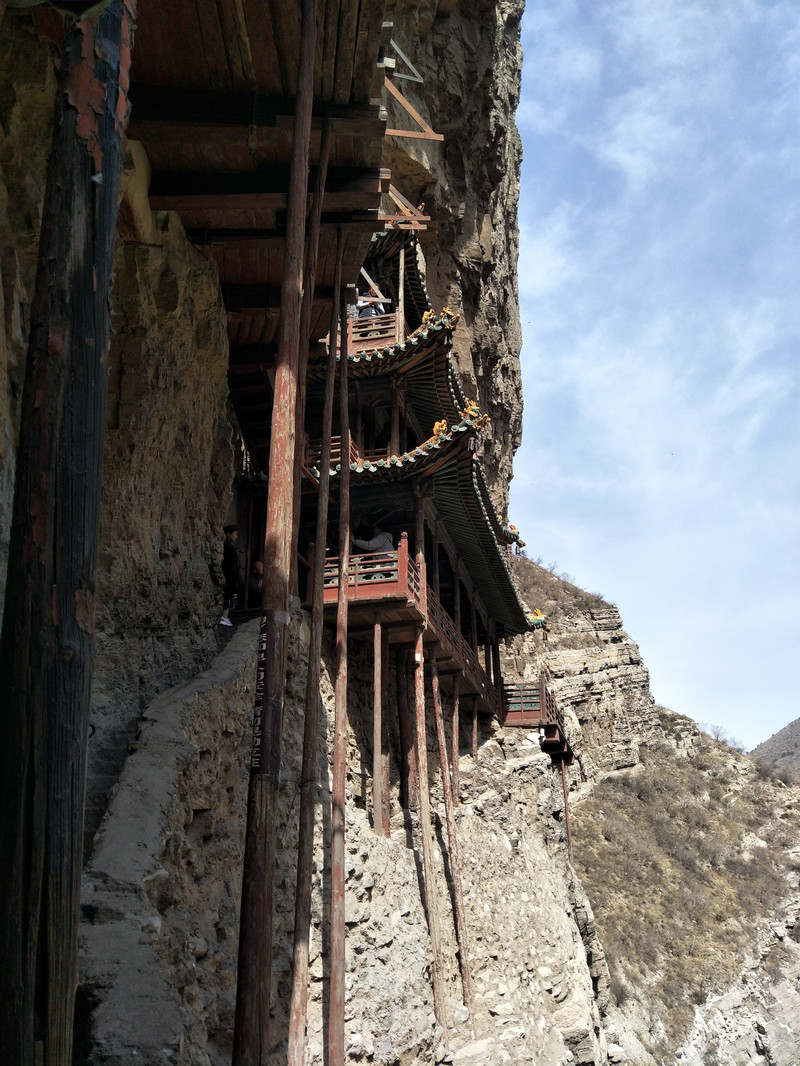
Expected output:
(270, 180)
(257, 297)
(166, 113)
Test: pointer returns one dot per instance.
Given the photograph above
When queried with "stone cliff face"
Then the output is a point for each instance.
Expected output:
(470, 58)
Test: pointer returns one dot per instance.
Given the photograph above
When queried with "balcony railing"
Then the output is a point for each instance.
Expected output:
(379, 331)
(379, 576)
(534, 706)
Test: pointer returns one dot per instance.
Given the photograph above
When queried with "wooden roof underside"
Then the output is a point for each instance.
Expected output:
(213, 94)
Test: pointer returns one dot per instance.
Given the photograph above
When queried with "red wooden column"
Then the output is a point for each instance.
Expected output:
(47, 643)
(251, 1031)
(308, 783)
(309, 281)
(426, 836)
(408, 766)
(337, 990)
(462, 930)
(379, 799)
(497, 676)
(386, 809)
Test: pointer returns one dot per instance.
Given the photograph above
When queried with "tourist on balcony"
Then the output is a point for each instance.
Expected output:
(378, 542)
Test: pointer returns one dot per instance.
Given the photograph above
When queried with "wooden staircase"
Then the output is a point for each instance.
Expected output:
(532, 706)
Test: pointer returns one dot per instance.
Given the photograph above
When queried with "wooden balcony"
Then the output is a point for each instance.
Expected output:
(533, 706)
(389, 583)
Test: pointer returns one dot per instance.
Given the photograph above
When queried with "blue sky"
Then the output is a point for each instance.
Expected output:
(660, 304)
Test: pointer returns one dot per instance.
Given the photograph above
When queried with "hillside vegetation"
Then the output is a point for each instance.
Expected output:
(682, 858)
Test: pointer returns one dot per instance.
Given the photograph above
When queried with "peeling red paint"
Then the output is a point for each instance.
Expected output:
(55, 340)
(87, 94)
(85, 610)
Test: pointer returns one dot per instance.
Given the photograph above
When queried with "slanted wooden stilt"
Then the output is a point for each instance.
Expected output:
(456, 738)
(462, 930)
(308, 783)
(251, 1029)
(426, 835)
(475, 730)
(336, 1001)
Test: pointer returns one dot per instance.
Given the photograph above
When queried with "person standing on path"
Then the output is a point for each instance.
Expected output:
(230, 571)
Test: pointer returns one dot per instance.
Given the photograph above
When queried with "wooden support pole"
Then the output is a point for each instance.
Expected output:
(565, 787)
(377, 727)
(426, 835)
(385, 809)
(309, 281)
(435, 568)
(251, 1029)
(337, 956)
(408, 766)
(308, 783)
(401, 296)
(394, 441)
(475, 730)
(456, 739)
(497, 676)
(47, 643)
(462, 929)
(473, 626)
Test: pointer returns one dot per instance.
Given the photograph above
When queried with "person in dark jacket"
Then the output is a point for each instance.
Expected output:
(230, 571)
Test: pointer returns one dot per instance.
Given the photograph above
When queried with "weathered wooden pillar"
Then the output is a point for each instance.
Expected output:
(462, 929)
(401, 296)
(426, 835)
(377, 726)
(565, 787)
(309, 282)
(475, 729)
(497, 676)
(337, 990)
(386, 787)
(308, 783)
(456, 739)
(436, 573)
(394, 440)
(251, 1031)
(457, 596)
(47, 642)
(408, 766)
(473, 626)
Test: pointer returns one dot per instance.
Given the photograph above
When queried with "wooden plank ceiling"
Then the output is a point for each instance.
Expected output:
(213, 94)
